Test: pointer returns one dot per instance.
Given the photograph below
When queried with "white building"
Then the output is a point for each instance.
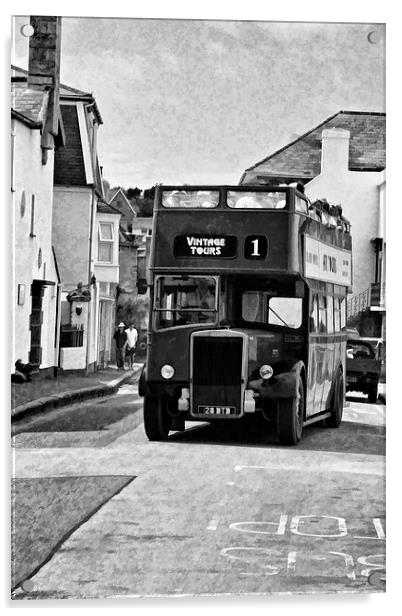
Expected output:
(86, 239)
(343, 160)
(36, 129)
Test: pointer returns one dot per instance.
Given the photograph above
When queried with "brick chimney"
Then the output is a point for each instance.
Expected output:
(335, 150)
(44, 52)
(44, 72)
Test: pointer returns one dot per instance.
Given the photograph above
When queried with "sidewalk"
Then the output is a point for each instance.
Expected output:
(41, 395)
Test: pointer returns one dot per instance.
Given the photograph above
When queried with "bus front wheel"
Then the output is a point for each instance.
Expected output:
(290, 417)
(157, 421)
(337, 404)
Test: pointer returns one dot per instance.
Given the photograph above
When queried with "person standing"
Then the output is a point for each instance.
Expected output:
(120, 338)
(132, 337)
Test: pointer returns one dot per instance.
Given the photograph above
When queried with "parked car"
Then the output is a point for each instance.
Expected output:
(363, 367)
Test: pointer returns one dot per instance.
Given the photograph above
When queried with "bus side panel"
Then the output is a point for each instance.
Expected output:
(328, 374)
(317, 363)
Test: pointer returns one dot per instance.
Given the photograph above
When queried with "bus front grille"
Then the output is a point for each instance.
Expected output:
(217, 375)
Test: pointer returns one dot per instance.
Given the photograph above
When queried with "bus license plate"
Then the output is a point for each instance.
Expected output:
(216, 410)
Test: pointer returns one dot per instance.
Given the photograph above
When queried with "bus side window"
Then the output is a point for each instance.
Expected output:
(314, 314)
(343, 313)
(330, 314)
(322, 313)
(337, 314)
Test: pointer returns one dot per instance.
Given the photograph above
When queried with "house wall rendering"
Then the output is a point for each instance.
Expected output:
(32, 201)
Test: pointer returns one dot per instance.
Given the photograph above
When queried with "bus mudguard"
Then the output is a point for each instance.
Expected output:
(283, 385)
(141, 383)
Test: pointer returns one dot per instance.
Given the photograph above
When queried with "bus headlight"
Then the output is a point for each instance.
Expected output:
(266, 371)
(167, 371)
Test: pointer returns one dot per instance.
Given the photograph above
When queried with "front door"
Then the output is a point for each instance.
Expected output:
(35, 324)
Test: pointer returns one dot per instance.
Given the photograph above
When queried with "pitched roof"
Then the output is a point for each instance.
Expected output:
(69, 167)
(301, 159)
(65, 92)
(106, 208)
(121, 203)
(29, 105)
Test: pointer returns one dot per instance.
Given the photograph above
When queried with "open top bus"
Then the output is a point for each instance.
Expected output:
(248, 309)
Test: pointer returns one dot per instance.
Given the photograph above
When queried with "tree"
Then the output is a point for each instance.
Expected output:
(132, 193)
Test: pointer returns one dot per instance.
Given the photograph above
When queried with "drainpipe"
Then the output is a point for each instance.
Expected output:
(87, 107)
(91, 238)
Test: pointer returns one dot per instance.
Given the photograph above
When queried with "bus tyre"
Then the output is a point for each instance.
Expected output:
(157, 421)
(290, 417)
(373, 394)
(337, 404)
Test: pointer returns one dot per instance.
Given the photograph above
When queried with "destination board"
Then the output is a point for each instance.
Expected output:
(212, 246)
(325, 262)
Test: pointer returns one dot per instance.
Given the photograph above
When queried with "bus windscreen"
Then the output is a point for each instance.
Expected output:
(184, 300)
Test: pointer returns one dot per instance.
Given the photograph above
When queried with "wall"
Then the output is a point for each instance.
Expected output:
(71, 233)
(357, 192)
(30, 176)
(107, 272)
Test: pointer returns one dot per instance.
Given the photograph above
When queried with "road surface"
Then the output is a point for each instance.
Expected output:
(102, 512)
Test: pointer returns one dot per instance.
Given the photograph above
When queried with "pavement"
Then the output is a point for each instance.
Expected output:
(43, 395)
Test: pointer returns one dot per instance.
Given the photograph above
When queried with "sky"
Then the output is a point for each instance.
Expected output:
(199, 101)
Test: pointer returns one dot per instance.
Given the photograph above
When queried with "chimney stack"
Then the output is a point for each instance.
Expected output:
(44, 53)
(335, 150)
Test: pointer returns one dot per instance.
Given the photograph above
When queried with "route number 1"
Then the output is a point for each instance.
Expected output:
(255, 247)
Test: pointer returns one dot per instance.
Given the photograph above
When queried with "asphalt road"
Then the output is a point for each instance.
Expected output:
(102, 512)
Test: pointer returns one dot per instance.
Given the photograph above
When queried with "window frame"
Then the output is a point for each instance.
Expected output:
(103, 242)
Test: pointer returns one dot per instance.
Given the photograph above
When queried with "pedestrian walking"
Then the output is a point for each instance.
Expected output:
(132, 337)
(120, 338)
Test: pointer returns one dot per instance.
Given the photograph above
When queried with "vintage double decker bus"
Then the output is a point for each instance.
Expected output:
(248, 309)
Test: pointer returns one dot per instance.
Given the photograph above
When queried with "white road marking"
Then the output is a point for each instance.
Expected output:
(268, 569)
(335, 462)
(292, 561)
(378, 529)
(294, 525)
(213, 525)
(350, 572)
(280, 527)
(363, 560)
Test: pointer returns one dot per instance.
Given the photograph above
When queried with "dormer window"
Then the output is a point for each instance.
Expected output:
(105, 242)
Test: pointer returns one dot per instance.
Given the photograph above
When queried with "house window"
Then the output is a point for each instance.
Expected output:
(105, 242)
